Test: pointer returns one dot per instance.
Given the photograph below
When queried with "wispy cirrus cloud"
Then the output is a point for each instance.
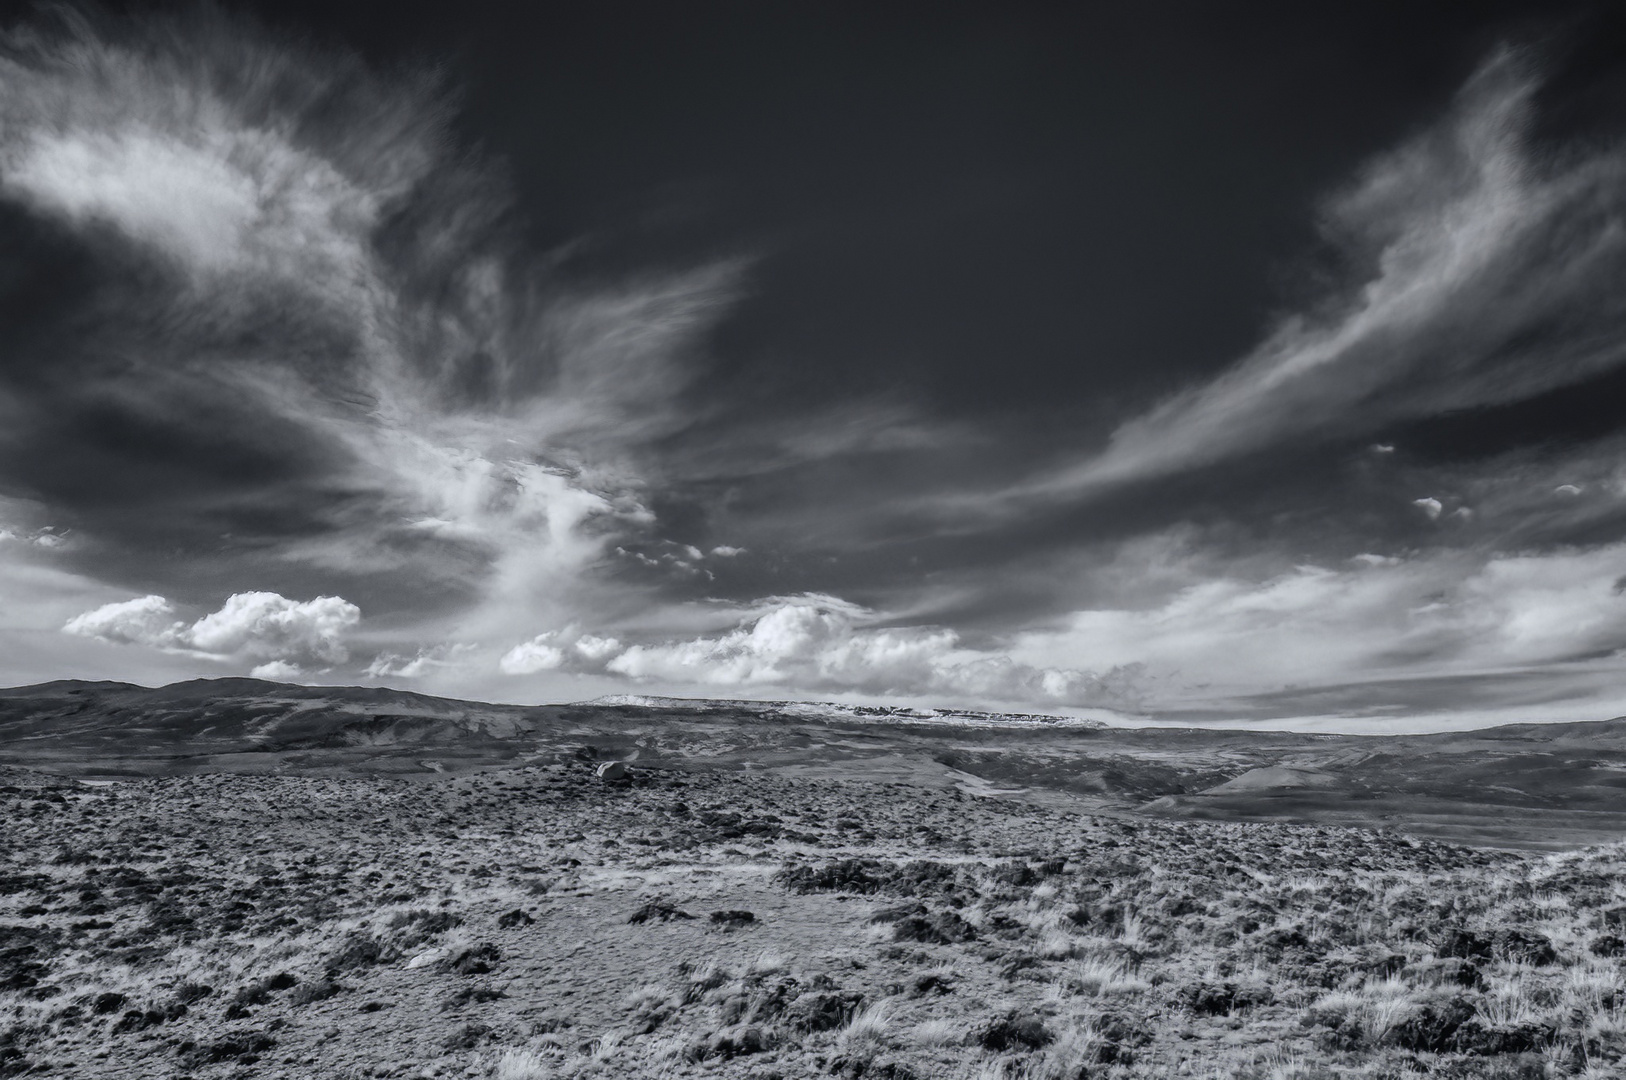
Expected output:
(294, 333)
(1480, 271)
(1374, 617)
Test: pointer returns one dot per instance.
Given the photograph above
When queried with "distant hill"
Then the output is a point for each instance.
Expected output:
(1542, 785)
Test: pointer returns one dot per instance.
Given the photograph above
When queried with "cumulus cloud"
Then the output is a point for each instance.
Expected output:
(270, 625)
(146, 620)
(529, 657)
(250, 626)
(1484, 273)
(819, 643)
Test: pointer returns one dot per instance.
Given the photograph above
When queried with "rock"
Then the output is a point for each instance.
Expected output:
(427, 957)
(514, 918)
(613, 772)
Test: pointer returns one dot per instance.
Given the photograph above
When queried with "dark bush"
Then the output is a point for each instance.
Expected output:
(1525, 946)
(1208, 999)
(138, 1020)
(843, 875)
(823, 1012)
(732, 919)
(320, 990)
(106, 1003)
(659, 911)
(476, 961)
(1433, 1028)
(1464, 944)
(942, 928)
(1014, 1030)
(192, 992)
(1471, 1038)
(359, 951)
(479, 995)
(1608, 945)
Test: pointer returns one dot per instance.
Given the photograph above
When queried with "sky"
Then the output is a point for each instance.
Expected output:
(1247, 364)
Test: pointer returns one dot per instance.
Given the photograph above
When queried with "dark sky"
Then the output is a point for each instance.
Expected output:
(1171, 360)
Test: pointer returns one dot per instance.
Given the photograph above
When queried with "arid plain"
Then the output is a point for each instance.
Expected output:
(238, 878)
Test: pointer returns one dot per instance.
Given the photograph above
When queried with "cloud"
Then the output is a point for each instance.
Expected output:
(1371, 618)
(276, 670)
(529, 657)
(294, 331)
(183, 199)
(146, 620)
(1430, 506)
(819, 643)
(435, 659)
(1483, 272)
(266, 624)
(249, 626)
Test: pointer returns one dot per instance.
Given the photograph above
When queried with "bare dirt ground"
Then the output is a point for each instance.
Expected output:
(529, 921)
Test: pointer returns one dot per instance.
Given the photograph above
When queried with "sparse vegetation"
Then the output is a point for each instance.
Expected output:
(517, 925)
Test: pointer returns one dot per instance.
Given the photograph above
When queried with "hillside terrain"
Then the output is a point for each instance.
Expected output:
(1551, 786)
(247, 880)
(534, 923)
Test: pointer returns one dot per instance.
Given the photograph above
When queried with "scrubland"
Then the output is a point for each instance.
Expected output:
(536, 923)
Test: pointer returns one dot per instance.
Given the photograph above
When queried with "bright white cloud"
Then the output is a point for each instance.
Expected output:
(273, 626)
(185, 199)
(277, 671)
(817, 643)
(262, 626)
(146, 620)
(530, 657)
(597, 649)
